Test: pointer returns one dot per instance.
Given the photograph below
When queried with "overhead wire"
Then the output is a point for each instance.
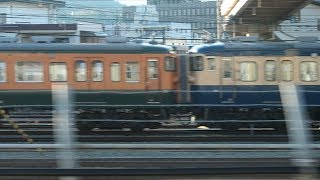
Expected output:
(197, 18)
(119, 19)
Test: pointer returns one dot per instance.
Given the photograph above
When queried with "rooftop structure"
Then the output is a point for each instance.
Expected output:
(94, 11)
(258, 17)
(201, 15)
(158, 2)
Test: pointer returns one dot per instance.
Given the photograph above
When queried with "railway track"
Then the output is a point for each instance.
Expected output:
(158, 138)
(40, 130)
(161, 135)
(149, 162)
(146, 169)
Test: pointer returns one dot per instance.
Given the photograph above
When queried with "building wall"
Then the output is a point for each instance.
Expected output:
(94, 11)
(157, 2)
(305, 23)
(310, 12)
(145, 14)
(201, 15)
(128, 13)
(25, 13)
(168, 33)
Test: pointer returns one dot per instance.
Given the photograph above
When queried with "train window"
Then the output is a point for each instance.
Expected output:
(115, 72)
(227, 68)
(153, 69)
(170, 63)
(81, 71)
(270, 70)
(287, 70)
(28, 71)
(3, 73)
(132, 71)
(97, 71)
(211, 63)
(248, 71)
(58, 71)
(196, 63)
(308, 71)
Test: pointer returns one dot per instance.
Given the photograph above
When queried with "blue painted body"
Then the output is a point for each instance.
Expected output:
(256, 49)
(258, 96)
(255, 95)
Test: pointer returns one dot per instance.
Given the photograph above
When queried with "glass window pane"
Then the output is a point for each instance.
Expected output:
(132, 71)
(308, 71)
(115, 72)
(81, 71)
(287, 70)
(3, 72)
(227, 68)
(170, 64)
(97, 71)
(196, 63)
(270, 70)
(153, 69)
(248, 71)
(211, 64)
(27, 71)
(58, 71)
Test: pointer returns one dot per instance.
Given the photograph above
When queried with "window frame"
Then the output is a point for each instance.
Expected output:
(291, 72)
(76, 71)
(172, 63)
(275, 70)
(32, 61)
(119, 72)
(66, 68)
(208, 63)
(5, 72)
(317, 71)
(256, 71)
(137, 73)
(229, 60)
(194, 60)
(92, 71)
(156, 68)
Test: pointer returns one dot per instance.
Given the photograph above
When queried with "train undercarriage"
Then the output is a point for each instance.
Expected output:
(137, 119)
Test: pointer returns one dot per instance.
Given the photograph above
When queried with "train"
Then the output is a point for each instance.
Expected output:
(137, 85)
(237, 82)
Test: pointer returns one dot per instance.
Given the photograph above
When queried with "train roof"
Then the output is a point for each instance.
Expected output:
(110, 48)
(256, 48)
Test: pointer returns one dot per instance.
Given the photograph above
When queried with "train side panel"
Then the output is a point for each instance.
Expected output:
(237, 81)
(142, 91)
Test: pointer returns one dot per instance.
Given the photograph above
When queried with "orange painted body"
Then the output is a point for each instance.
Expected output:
(165, 80)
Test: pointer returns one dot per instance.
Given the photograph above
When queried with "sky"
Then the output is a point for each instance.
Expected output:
(138, 2)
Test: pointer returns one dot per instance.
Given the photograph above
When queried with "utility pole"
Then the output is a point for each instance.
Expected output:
(164, 35)
(219, 19)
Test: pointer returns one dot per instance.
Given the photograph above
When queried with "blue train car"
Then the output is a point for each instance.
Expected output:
(240, 80)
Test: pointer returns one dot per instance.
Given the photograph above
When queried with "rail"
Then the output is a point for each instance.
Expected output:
(158, 146)
(185, 172)
(300, 144)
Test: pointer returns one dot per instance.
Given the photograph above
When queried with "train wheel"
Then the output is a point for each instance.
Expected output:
(137, 128)
(83, 127)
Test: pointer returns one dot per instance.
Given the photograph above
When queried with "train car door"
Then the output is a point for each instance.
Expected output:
(153, 74)
(81, 73)
(89, 73)
(89, 76)
(152, 81)
(227, 83)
